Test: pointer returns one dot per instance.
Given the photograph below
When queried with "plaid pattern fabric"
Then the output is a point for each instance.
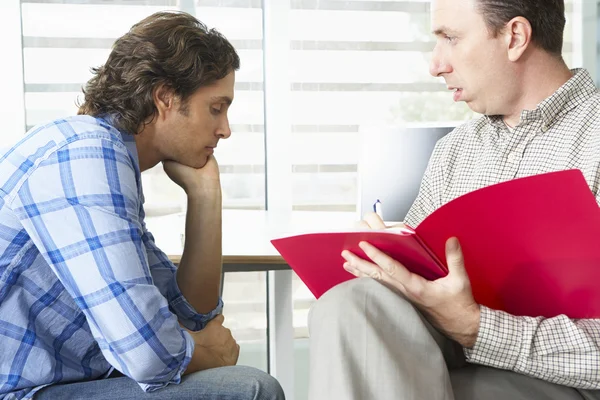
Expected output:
(83, 287)
(563, 132)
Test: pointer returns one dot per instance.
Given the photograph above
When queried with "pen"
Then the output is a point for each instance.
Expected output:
(377, 209)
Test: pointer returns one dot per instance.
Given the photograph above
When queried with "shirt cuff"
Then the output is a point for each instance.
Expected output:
(498, 342)
(178, 374)
(186, 313)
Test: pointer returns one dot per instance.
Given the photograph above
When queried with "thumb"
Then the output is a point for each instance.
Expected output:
(219, 319)
(454, 257)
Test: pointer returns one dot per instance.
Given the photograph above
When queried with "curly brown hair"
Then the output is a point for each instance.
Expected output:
(173, 49)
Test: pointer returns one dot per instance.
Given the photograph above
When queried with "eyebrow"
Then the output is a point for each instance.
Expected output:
(222, 99)
(443, 30)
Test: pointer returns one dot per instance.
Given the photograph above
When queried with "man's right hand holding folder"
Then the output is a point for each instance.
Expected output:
(447, 302)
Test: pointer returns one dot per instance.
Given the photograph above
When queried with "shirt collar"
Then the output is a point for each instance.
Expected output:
(128, 139)
(572, 93)
(129, 142)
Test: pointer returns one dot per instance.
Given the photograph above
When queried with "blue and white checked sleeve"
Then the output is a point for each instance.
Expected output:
(163, 273)
(80, 207)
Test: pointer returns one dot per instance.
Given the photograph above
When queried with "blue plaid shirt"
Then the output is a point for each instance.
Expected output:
(83, 287)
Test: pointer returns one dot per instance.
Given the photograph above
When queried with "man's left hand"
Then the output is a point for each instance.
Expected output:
(447, 302)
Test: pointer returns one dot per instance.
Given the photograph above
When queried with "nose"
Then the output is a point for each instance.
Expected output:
(224, 131)
(439, 63)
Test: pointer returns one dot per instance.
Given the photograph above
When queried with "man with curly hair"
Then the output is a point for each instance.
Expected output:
(90, 307)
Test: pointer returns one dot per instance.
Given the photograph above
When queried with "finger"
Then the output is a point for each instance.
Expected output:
(394, 269)
(373, 220)
(455, 258)
(219, 319)
(385, 262)
(356, 272)
(360, 267)
(396, 226)
(367, 269)
(349, 268)
(237, 355)
(227, 333)
(361, 225)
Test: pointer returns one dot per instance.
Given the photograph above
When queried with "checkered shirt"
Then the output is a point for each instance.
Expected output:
(563, 132)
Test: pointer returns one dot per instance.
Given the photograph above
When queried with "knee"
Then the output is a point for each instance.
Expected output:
(336, 300)
(355, 299)
(255, 384)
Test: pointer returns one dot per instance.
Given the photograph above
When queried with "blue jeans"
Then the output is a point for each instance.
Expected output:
(227, 383)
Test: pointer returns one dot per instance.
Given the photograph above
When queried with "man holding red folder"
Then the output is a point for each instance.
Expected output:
(398, 336)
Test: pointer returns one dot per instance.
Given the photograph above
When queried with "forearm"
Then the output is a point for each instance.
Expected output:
(558, 350)
(199, 272)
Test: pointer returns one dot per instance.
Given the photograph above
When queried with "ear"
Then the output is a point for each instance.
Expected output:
(164, 100)
(517, 35)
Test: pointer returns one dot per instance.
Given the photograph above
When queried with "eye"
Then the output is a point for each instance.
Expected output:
(216, 109)
(450, 39)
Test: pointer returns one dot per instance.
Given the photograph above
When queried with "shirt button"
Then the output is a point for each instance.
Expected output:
(512, 157)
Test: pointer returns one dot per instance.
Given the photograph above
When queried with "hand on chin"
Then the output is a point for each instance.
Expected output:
(199, 174)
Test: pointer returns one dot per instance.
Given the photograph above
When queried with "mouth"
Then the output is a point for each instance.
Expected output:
(457, 92)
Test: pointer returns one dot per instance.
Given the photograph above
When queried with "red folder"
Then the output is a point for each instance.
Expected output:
(531, 246)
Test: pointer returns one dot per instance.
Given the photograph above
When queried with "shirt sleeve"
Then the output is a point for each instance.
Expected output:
(164, 274)
(80, 206)
(557, 350)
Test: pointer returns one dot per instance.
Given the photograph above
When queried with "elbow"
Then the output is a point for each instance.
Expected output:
(153, 377)
(144, 374)
(156, 371)
(157, 361)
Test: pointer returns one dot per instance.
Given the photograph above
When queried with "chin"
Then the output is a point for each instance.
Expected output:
(199, 162)
(475, 108)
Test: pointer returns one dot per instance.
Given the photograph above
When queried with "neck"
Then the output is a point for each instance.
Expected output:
(540, 75)
(147, 154)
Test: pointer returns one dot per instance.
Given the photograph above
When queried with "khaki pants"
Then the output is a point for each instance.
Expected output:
(367, 342)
